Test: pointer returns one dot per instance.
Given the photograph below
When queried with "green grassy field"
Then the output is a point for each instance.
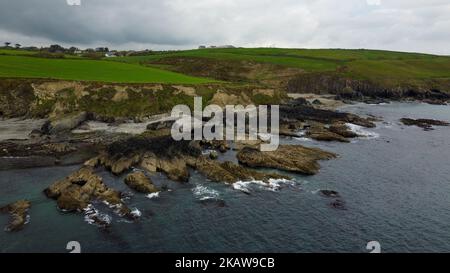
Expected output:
(361, 64)
(274, 56)
(376, 65)
(18, 52)
(88, 70)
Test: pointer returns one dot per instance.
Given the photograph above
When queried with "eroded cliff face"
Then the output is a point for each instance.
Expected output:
(16, 98)
(347, 88)
(106, 102)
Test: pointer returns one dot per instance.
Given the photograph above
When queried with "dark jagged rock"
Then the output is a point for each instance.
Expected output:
(161, 153)
(18, 212)
(294, 158)
(303, 113)
(346, 88)
(426, 124)
(140, 182)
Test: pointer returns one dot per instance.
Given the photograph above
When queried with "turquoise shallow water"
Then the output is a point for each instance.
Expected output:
(396, 186)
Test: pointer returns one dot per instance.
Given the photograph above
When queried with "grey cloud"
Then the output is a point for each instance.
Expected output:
(414, 25)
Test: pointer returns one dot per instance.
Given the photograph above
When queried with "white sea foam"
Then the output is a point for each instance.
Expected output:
(302, 139)
(271, 185)
(301, 136)
(153, 195)
(94, 217)
(136, 213)
(27, 219)
(361, 131)
(204, 193)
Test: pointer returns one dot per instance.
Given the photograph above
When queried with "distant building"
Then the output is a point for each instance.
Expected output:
(110, 54)
(223, 46)
(202, 47)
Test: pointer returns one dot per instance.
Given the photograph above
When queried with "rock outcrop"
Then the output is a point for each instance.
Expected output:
(426, 124)
(342, 129)
(293, 158)
(75, 192)
(18, 212)
(68, 123)
(139, 182)
(229, 172)
(301, 112)
(321, 133)
(346, 88)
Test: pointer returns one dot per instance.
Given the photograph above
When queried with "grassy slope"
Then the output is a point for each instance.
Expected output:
(361, 64)
(380, 66)
(88, 70)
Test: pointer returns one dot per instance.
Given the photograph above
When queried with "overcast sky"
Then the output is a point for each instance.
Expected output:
(405, 25)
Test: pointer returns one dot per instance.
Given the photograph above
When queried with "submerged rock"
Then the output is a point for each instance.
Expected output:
(294, 158)
(140, 182)
(329, 193)
(213, 202)
(338, 204)
(426, 124)
(18, 212)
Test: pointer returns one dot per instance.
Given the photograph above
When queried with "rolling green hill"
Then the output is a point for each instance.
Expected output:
(88, 70)
(373, 65)
(255, 65)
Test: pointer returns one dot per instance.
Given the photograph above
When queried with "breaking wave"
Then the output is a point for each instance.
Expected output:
(153, 195)
(271, 185)
(204, 193)
(136, 213)
(94, 217)
(361, 131)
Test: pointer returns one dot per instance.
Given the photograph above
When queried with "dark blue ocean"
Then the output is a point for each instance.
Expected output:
(395, 184)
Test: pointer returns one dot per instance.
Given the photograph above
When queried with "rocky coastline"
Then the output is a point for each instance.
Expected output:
(139, 156)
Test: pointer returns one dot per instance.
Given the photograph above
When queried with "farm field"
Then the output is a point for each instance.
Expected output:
(88, 70)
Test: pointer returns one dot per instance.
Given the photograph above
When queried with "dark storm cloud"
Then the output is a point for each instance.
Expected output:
(414, 25)
(112, 21)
